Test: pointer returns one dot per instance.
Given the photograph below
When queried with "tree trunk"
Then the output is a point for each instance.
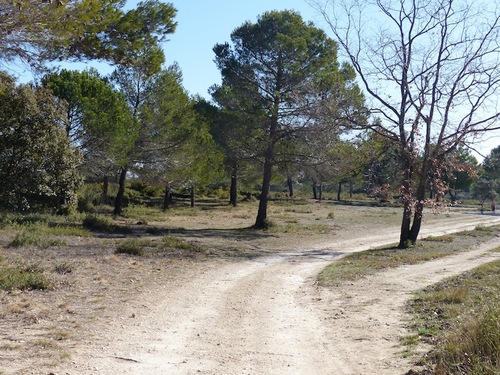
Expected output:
(167, 198)
(191, 193)
(405, 226)
(261, 221)
(351, 188)
(233, 189)
(289, 183)
(321, 191)
(121, 191)
(315, 191)
(419, 213)
(406, 194)
(339, 190)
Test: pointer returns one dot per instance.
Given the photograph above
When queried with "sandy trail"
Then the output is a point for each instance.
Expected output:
(267, 316)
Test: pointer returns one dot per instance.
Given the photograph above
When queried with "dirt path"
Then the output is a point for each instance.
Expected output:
(266, 316)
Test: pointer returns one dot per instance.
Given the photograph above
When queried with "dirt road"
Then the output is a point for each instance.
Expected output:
(267, 316)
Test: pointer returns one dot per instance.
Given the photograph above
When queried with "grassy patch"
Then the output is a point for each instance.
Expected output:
(358, 265)
(15, 219)
(34, 238)
(293, 226)
(168, 245)
(100, 223)
(66, 230)
(481, 231)
(177, 243)
(461, 318)
(134, 246)
(145, 214)
(23, 278)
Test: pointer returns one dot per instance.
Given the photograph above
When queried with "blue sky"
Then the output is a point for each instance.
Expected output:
(204, 23)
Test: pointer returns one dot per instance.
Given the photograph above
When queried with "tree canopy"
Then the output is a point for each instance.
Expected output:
(98, 119)
(37, 31)
(281, 74)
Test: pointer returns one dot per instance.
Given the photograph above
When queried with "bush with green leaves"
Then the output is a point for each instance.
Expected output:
(98, 222)
(38, 166)
(132, 246)
(23, 278)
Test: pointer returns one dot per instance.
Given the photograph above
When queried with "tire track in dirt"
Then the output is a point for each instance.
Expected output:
(266, 316)
(368, 315)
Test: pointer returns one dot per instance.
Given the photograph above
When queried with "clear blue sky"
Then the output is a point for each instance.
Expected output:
(204, 23)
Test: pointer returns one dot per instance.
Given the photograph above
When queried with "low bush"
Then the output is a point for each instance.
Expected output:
(98, 222)
(23, 278)
(132, 247)
(177, 243)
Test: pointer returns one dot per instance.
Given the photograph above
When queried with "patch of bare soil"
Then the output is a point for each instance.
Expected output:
(230, 312)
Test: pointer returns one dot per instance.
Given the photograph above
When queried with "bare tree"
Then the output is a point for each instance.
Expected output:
(431, 70)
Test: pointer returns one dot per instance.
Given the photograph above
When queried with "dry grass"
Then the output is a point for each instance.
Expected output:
(460, 317)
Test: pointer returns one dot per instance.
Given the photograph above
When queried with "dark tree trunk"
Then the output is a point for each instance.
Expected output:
(289, 183)
(315, 191)
(191, 193)
(233, 189)
(406, 195)
(419, 213)
(339, 190)
(261, 221)
(121, 191)
(321, 191)
(167, 198)
(405, 225)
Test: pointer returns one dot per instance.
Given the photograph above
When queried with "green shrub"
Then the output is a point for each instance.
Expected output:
(88, 196)
(176, 243)
(132, 247)
(16, 219)
(98, 222)
(145, 190)
(172, 242)
(23, 278)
